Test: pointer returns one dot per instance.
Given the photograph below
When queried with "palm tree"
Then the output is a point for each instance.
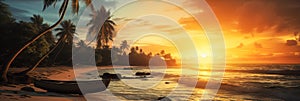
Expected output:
(75, 5)
(42, 58)
(65, 36)
(101, 19)
(62, 13)
(124, 45)
(37, 25)
(67, 29)
(136, 48)
(5, 15)
(141, 51)
(38, 22)
(162, 52)
(107, 30)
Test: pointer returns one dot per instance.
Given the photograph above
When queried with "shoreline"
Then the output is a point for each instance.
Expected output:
(13, 92)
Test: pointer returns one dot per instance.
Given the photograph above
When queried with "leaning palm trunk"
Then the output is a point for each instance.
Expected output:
(41, 59)
(59, 51)
(5, 70)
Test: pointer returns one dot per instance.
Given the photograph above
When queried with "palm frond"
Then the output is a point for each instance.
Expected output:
(112, 22)
(58, 29)
(48, 3)
(59, 34)
(75, 6)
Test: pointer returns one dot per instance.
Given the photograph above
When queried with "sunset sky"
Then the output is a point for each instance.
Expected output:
(255, 31)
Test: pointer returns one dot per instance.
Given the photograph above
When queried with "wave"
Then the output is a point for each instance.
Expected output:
(278, 72)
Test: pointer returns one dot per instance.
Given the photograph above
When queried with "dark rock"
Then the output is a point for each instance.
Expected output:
(25, 96)
(15, 92)
(164, 99)
(111, 76)
(29, 89)
(291, 42)
(106, 75)
(142, 73)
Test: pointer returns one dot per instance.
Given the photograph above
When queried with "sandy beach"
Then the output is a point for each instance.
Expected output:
(234, 86)
(13, 92)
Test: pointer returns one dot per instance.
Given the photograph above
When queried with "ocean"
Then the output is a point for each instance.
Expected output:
(239, 82)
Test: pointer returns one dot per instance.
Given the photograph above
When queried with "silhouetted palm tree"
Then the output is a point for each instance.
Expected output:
(124, 45)
(75, 5)
(65, 36)
(62, 13)
(132, 50)
(101, 29)
(141, 51)
(162, 52)
(39, 26)
(67, 29)
(42, 58)
(38, 22)
(5, 15)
